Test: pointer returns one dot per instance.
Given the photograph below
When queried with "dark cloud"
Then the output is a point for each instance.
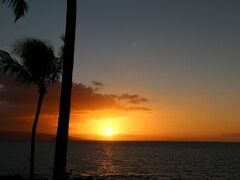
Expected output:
(132, 98)
(97, 85)
(129, 98)
(18, 104)
(137, 108)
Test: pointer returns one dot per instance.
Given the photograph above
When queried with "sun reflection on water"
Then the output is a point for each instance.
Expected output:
(107, 164)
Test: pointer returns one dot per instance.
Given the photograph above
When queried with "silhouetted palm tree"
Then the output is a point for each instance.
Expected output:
(36, 64)
(20, 7)
(59, 170)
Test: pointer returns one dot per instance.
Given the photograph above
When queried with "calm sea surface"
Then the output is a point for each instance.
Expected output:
(160, 159)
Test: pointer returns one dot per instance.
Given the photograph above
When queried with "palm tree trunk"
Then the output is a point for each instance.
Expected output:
(33, 138)
(59, 170)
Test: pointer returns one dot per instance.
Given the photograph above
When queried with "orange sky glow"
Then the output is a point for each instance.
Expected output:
(96, 115)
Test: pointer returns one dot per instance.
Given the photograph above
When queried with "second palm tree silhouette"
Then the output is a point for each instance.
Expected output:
(33, 62)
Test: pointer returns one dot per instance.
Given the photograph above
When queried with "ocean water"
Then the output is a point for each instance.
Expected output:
(156, 159)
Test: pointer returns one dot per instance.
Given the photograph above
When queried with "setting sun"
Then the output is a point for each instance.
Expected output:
(108, 132)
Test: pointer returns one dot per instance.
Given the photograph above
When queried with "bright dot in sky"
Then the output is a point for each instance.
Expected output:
(133, 44)
(108, 132)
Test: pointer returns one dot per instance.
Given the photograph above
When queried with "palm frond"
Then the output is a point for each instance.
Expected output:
(37, 57)
(61, 50)
(10, 66)
(36, 63)
(19, 7)
(55, 72)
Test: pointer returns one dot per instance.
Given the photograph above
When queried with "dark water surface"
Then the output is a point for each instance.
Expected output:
(159, 159)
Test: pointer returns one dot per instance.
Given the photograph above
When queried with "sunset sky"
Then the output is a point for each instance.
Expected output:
(144, 69)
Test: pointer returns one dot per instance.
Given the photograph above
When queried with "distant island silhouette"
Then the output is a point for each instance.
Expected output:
(25, 136)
